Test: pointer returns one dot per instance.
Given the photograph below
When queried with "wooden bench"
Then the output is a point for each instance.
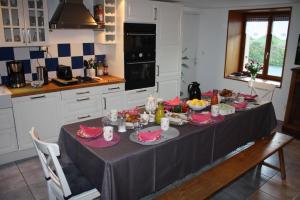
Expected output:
(216, 178)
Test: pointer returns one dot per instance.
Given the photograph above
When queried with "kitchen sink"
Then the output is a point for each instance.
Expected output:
(5, 97)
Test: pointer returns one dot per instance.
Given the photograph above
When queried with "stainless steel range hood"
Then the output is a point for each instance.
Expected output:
(72, 14)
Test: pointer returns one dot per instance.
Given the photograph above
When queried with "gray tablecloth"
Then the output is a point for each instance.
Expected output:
(130, 170)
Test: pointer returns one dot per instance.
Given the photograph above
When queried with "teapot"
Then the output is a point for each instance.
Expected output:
(194, 91)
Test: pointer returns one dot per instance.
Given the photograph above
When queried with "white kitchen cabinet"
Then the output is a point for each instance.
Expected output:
(108, 35)
(168, 40)
(113, 97)
(81, 104)
(39, 111)
(168, 88)
(23, 22)
(140, 11)
(8, 138)
(138, 97)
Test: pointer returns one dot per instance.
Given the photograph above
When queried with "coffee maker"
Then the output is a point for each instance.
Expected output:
(15, 71)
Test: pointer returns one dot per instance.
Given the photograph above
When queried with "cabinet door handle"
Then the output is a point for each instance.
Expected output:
(155, 13)
(84, 99)
(157, 87)
(38, 97)
(79, 93)
(28, 36)
(104, 99)
(142, 106)
(83, 117)
(139, 91)
(115, 88)
(157, 66)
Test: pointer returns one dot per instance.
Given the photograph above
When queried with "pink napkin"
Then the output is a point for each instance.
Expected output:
(207, 94)
(201, 118)
(89, 132)
(173, 102)
(149, 136)
(248, 96)
(240, 106)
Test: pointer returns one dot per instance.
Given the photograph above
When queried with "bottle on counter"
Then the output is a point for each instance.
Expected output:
(160, 112)
(214, 98)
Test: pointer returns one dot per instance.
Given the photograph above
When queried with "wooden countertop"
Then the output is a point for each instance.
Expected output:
(52, 87)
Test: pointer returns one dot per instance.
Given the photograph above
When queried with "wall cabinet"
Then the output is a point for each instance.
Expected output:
(42, 112)
(168, 39)
(8, 138)
(168, 88)
(81, 104)
(138, 97)
(23, 22)
(108, 35)
(140, 11)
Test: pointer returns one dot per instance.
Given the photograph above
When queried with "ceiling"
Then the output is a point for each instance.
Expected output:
(229, 3)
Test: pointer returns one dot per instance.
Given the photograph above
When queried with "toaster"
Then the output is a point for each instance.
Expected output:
(64, 72)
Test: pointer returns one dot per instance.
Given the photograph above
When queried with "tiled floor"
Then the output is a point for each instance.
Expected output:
(24, 180)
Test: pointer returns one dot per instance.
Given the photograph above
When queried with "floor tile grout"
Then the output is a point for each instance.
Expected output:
(27, 185)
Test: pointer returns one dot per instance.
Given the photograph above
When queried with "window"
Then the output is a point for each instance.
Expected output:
(259, 35)
(265, 42)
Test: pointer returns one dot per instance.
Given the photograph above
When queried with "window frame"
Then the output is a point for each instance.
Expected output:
(271, 17)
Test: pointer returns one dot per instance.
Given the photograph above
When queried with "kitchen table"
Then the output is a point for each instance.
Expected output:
(130, 171)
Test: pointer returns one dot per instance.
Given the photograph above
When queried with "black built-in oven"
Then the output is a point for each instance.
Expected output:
(139, 55)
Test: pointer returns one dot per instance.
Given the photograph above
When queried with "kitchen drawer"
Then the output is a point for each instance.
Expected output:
(37, 97)
(81, 92)
(138, 97)
(6, 119)
(113, 88)
(68, 119)
(81, 108)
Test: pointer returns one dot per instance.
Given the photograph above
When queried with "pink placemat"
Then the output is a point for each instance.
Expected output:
(213, 120)
(99, 142)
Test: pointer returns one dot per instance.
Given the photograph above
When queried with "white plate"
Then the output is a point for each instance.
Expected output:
(197, 107)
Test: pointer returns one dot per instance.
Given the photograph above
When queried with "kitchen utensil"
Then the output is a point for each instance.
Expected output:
(64, 72)
(15, 71)
(194, 91)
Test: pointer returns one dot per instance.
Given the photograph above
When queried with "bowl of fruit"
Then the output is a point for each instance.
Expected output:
(197, 104)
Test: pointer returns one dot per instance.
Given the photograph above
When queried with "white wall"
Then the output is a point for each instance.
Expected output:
(212, 47)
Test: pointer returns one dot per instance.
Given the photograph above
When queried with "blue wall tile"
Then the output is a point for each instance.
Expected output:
(26, 66)
(7, 53)
(88, 49)
(64, 50)
(100, 58)
(34, 76)
(4, 80)
(36, 54)
(51, 63)
(77, 62)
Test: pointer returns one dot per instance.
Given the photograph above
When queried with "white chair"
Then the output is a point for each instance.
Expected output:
(264, 91)
(63, 183)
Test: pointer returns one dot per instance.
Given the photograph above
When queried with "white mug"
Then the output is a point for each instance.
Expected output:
(113, 115)
(108, 133)
(214, 110)
(164, 123)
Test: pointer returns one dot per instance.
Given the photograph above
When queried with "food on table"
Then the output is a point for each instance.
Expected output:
(131, 118)
(197, 102)
(226, 93)
(225, 109)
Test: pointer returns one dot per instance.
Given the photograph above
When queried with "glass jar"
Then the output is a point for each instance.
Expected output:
(160, 112)
(214, 98)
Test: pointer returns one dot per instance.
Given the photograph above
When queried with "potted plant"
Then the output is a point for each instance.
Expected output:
(253, 67)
